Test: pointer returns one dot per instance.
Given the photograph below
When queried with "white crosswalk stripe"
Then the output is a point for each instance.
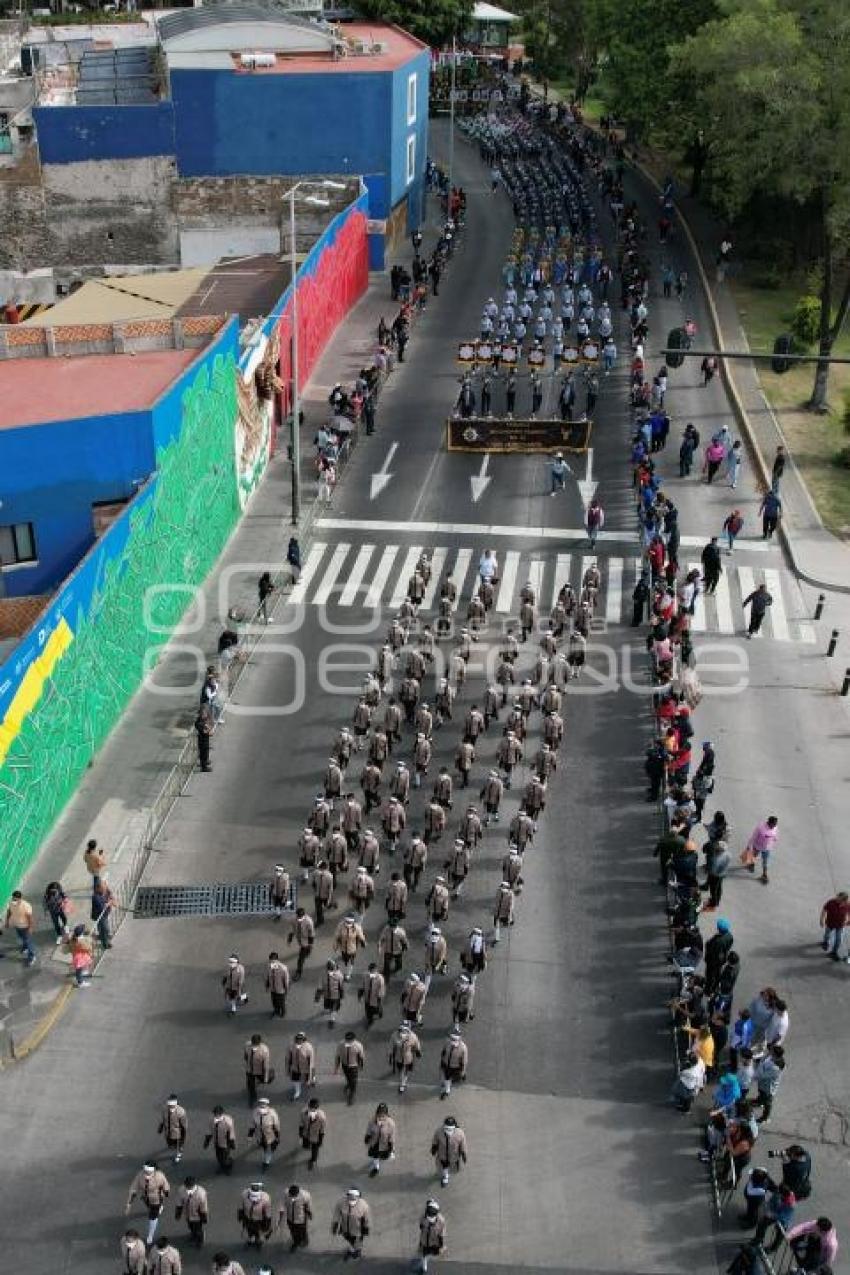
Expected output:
(410, 560)
(506, 589)
(341, 575)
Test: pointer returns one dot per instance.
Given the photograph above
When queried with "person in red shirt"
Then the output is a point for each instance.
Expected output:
(834, 916)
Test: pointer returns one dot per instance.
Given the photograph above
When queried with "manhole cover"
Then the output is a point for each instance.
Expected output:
(213, 899)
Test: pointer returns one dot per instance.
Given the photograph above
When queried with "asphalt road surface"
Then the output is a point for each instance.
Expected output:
(575, 1164)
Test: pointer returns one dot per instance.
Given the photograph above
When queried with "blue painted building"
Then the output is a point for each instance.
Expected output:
(251, 92)
(79, 439)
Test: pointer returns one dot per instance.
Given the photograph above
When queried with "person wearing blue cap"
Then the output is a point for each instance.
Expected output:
(717, 950)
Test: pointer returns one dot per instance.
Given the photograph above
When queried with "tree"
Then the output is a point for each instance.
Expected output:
(434, 21)
(771, 82)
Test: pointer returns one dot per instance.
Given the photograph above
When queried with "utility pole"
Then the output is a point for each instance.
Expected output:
(452, 83)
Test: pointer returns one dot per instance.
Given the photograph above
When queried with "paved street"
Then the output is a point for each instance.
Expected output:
(575, 1161)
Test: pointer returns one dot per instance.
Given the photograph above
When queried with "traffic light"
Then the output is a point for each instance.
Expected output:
(781, 346)
(676, 340)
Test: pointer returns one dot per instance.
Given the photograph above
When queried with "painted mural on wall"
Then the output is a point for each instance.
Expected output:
(255, 398)
(65, 687)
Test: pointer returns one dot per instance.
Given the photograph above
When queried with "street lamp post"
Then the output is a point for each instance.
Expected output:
(295, 397)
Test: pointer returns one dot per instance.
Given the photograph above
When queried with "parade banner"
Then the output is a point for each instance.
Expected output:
(489, 434)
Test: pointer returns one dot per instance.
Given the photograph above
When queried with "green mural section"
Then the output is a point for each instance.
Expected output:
(173, 534)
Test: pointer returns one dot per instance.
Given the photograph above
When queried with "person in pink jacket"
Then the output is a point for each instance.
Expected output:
(815, 1243)
(715, 454)
(761, 845)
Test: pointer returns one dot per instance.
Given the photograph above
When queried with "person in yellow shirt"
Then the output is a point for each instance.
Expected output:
(19, 916)
(703, 1045)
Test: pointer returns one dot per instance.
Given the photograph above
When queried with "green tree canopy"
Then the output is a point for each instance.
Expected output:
(771, 86)
(434, 21)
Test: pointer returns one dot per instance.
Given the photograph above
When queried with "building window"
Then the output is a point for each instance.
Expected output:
(411, 159)
(17, 544)
(411, 99)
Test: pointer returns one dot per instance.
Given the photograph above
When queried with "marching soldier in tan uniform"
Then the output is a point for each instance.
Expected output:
(474, 725)
(348, 937)
(553, 729)
(522, 830)
(233, 983)
(509, 755)
(352, 1220)
(300, 1064)
(443, 787)
(311, 1130)
(421, 758)
(413, 997)
(265, 1127)
(351, 819)
(400, 783)
(323, 890)
(133, 1253)
(164, 1259)
(331, 990)
(436, 955)
(392, 945)
(258, 1066)
(408, 693)
(361, 721)
(255, 1214)
(379, 748)
(464, 760)
(492, 704)
(336, 852)
(304, 931)
(551, 699)
(309, 848)
(453, 1059)
(470, 827)
(380, 1138)
(448, 1147)
(370, 852)
(174, 1125)
(222, 1135)
(503, 911)
(545, 762)
(527, 697)
(372, 994)
(320, 816)
(527, 618)
(425, 721)
(279, 890)
(534, 797)
(361, 891)
(505, 677)
(443, 700)
(392, 722)
(333, 780)
(394, 822)
(277, 983)
(395, 899)
(151, 1187)
(457, 867)
(516, 723)
(512, 870)
(491, 795)
(404, 1050)
(476, 614)
(370, 782)
(192, 1203)
(474, 957)
(297, 1208)
(435, 821)
(350, 1060)
(415, 858)
(437, 900)
(344, 746)
(432, 1234)
(223, 1264)
(463, 999)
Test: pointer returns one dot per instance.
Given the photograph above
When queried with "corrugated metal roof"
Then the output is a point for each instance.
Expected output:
(187, 20)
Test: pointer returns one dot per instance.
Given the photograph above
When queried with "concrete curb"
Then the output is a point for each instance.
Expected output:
(738, 408)
(30, 1043)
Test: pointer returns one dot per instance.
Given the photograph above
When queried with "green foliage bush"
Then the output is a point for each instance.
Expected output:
(805, 323)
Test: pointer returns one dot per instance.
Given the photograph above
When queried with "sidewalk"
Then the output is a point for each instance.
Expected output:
(114, 798)
(818, 557)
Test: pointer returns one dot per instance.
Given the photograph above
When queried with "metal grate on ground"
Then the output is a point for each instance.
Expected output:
(211, 899)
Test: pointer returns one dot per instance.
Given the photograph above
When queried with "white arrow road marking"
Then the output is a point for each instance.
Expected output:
(481, 481)
(586, 486)
(379, 481)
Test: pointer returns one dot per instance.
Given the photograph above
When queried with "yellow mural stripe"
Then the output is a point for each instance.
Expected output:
(32, 685)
